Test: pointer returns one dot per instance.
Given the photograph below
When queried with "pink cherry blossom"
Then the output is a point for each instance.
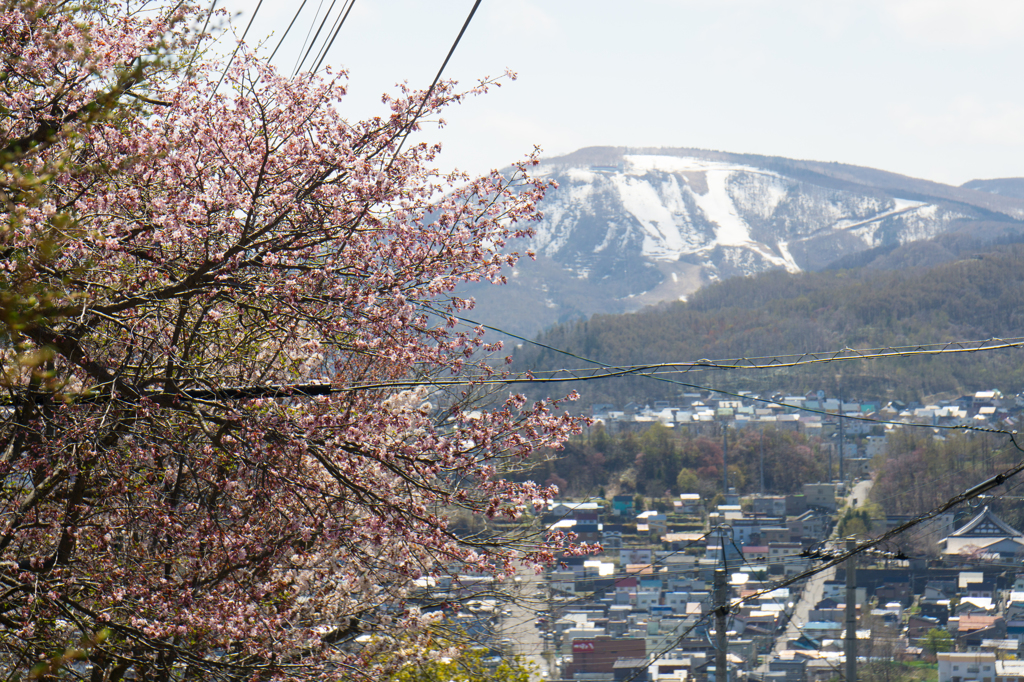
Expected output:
(171, 255)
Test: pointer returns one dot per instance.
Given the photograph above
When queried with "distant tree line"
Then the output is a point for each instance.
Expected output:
(665, 461)
(920, 470)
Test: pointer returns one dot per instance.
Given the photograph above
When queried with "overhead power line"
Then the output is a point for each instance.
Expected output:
(787, 361)
(968, 494)
(305, 41)
(312, 43)
(496, 379)
(342, 16)
(656, 372)
(238, 46)
(285, 34)
(426, 96)
(863, 547)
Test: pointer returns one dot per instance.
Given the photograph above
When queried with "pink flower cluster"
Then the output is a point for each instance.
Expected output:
(167, 244)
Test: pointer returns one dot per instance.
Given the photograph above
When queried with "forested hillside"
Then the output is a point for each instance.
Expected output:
(921, 470)
(662, 460)
(775, 313)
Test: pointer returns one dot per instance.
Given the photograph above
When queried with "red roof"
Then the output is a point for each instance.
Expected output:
(970, 622)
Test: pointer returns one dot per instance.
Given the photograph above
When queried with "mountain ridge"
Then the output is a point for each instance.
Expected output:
(631, 227)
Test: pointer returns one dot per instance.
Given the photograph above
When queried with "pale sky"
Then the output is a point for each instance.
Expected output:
(927, 88)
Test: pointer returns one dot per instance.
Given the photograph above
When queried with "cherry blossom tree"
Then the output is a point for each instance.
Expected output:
(240, 406)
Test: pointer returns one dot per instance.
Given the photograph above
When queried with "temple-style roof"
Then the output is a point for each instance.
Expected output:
(986, 525)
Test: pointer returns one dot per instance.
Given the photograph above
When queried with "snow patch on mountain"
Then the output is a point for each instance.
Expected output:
(787, 257)
(718, 208)
(639, 210)
(660, 225)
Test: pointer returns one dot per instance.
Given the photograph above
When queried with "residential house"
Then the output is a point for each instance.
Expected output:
(656, 522)
(794, 668)
(581, 511)
(1009, 670)
(971, 629)
(611, 536)
(599, 654)
(591, 532)
(810, 524)
(820, 495)
(796, 504)
(775, 534)
(985, 534)
(634, 555)
(784, 557)
(836, 590)
(622, 505)
(770, 506)
(964, 666)
(896, 588)
(1014, 609)
(679, 541)
(918, 626)
(688, 503)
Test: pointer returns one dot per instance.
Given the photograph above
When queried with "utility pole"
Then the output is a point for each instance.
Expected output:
(851, 613)
(725, 459)
(842, 477)
(830, 478)
(550, 653)
(721, 623)
(762, 462)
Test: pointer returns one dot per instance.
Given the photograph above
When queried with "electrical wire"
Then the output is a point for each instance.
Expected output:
(285, 34)
(343, 15)
(295, 69)
(653, 371)
(404, 134)
(926, 533)
(238, 45)
(886, 502)
(206, 24)
(623, 575)
(956, 346)
(312, 43)
(704, 619)
(968, 494)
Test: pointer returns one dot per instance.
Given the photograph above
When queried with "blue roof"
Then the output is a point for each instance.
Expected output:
(822, 625)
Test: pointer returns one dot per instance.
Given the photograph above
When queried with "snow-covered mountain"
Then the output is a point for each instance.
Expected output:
(627, 228)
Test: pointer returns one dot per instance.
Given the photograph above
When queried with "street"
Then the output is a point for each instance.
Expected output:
(519, 623)
(814, 587)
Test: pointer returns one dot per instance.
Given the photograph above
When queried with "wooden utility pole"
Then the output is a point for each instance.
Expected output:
(830, 477)
(725, 459)
(851, 613)
(721, 623)
(762, 462)
(842, 463)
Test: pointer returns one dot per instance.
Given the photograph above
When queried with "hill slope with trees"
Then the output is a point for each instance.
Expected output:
(661, 460)
(774, 313)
